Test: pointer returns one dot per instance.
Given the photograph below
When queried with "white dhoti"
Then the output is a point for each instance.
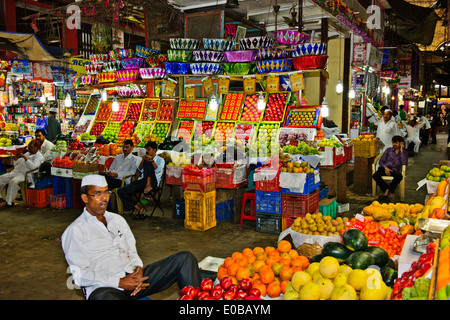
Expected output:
(416, 142)
(12, 180)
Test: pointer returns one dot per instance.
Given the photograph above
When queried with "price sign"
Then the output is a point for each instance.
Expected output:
(189, 93)
(272, 83)
(170, 87)
(297, 81)
(208, 87)
(224, 85)
(249, 85)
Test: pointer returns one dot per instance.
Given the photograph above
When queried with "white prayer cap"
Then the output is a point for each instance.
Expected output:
(94, 180)
(53, 109)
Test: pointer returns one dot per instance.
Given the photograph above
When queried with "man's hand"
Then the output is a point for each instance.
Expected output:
(147, 158)
(134, 281)
(112, 174)
(387, 171)
(402, 146)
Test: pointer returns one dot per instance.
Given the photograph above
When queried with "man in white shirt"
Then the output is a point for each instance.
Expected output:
(46, 145)
(22, 163)
(124, 164)
(426, 128)
(413, 129)
(387, 129)
(101, 252)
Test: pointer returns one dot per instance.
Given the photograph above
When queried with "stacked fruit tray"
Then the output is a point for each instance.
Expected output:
(232, 106)
(134, 110)
(104, 111)
(91, 106)
(305, 117)
(185, 130)
(192, 110)
(119, 115)
(98, 128)
(166, 110)
(224, 131)
(150, 110)
(250, 112)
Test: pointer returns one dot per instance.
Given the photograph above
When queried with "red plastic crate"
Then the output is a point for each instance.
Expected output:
(39, 198)
(348, 153)
(230, 178)
(268, 185)
(200, 187)
(171, 173)
(174, 181)
(296, 205)
(337, 159)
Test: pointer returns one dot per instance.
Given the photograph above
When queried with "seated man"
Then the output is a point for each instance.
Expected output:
(124, 164)
(390, 164)
(23, 162)
(101, 252)
(413, 130)
(46, 147)
(152, 167)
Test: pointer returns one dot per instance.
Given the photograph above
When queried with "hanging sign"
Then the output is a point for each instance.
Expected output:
(272, 83)
(249, 84)
(170, 87)
(224, 85)
(189, 93)
(297, 81)
(208, 87)
(20, 66)
(77, 65)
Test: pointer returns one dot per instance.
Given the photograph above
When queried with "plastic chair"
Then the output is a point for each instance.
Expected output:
(401, 185)
(154, 195)
(249, 215)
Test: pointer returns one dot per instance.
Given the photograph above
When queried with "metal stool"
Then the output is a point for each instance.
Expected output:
(249, 215)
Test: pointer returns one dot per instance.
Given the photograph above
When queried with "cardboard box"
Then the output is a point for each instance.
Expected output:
(61, 172)
(85, 167)
(444, 163)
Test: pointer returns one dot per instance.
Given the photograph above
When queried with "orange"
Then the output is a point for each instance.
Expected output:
(284, 246)
(242, 273)
(257, 264)
(261, 256)
(268, 249)
(221, 274)
(286, 273)
(232, 269)
(251, 259)
(241, 261)
(261, 287)
(305, 261)
(266, 274)
(270, 261)
(256, 277)
(228, 261)
(237, 255)
(257, 250)
(285, 261)
(247, 252)
(283, 285)
(293, 253)
(273, 290)
(298, 268)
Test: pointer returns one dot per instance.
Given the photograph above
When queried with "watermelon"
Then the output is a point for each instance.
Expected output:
(389, 275)
(380, 256)
(336, 250)
(360, 260)
(317, 258)
(355, 240)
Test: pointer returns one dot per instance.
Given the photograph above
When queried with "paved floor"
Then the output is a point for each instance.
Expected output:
(32, 264)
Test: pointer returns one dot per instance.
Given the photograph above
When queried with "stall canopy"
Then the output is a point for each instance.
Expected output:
(415, 24)
(25, 45)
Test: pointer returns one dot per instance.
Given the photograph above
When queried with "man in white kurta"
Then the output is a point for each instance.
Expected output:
(124, 164)
(413, 129)
(387, 129)
(46, 145)
(23, 163)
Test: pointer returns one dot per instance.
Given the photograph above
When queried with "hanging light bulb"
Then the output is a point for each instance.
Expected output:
(261, 102)
(115, 105)
(387, 90)
(324, 109)
(42, 99)
(213, 103)
(68, 100)
(352, 94)
(339, 86)
(104, 95)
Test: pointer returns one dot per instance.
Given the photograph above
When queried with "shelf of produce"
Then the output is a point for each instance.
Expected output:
(166, 110)
(120, 114)
(192, 110)
(111, 131)
(250, 112)
(303, 117)
(104, 111)
(245, 132)
(125, 132)
(160, 130)
(143, 130)
(206, 128)
(149, 110)
(97, 128)
(262, 135)
(185, 130)
(232, 106)
(276, 107)
(224, 131)
(92, 105)
(134, 109)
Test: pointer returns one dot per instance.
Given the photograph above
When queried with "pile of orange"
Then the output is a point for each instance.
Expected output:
(269, 268)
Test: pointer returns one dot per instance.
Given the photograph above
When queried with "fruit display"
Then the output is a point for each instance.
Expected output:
(204, 129)
(316, 224)
(365, 138)
(297, 167)
(266, 140)
(81, 128)
(439, 174)
(65, 162)
(232, 106)
(191, 110)
(270, 269)
(107, 150)
(398, 214)
(134, 111)
(290, 136)
(331, 142)
(75, 145)
(302, 148)
(10, 126)
(126, 132)
(120, 114)
(87, 137)
(98, 128)
(224, 131)
(111, 131)
(61, 146)
(305, 117)
(149, 110)
(226, 290)
(142, 131)
(276, 105)
(443, 271)
(159, 132)
(250, 112)
(91, 106)
(166, 110)
(385, 237)
(104, 111)
(412, 285)
(320, 135)
(244, 132)
(185, 130)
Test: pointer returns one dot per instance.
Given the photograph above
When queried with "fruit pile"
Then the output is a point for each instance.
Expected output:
(185, 130)
(317, 224)
(143, 130)
(65, 162)
(300, 118)
(225, 290)
(275, 106)
(250, 111)
(104, 111)
(365, 138)
(439, 174)
(224, 131)
(160, 131)
(125, 132)
(320, 135)
(134, 111)
(165, 110)
(111, 131)
(232, 106)
(149, 111)
(410, 286)
(98, 128)
(333, 143)
(297, 167)
(270, 269)
(265, 134)
(190, 110)
(10, 127)
(108, 150)
(81, 128)
(120, 114)
(244, 132)
(85, 136)
(204, 129)
(385, 238)
(302, 148)
(90, 107)
(443, 271)
(76, 145)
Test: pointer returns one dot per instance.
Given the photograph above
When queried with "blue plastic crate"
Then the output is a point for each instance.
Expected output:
(323, 193)
(268, 201)
(224, 210)
(309, 186)
(268, 222)
(69, 192)
(179, 208)
(59, 185)
(45, 182)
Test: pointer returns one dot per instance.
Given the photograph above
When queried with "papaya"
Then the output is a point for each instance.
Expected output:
(382, 215)
(407, 229)
(336, 250)
(441, 188)
(360, 260)
(355, 240)
(388, 223)
(380, 256)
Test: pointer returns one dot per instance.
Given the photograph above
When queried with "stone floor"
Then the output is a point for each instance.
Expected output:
(32, 264)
